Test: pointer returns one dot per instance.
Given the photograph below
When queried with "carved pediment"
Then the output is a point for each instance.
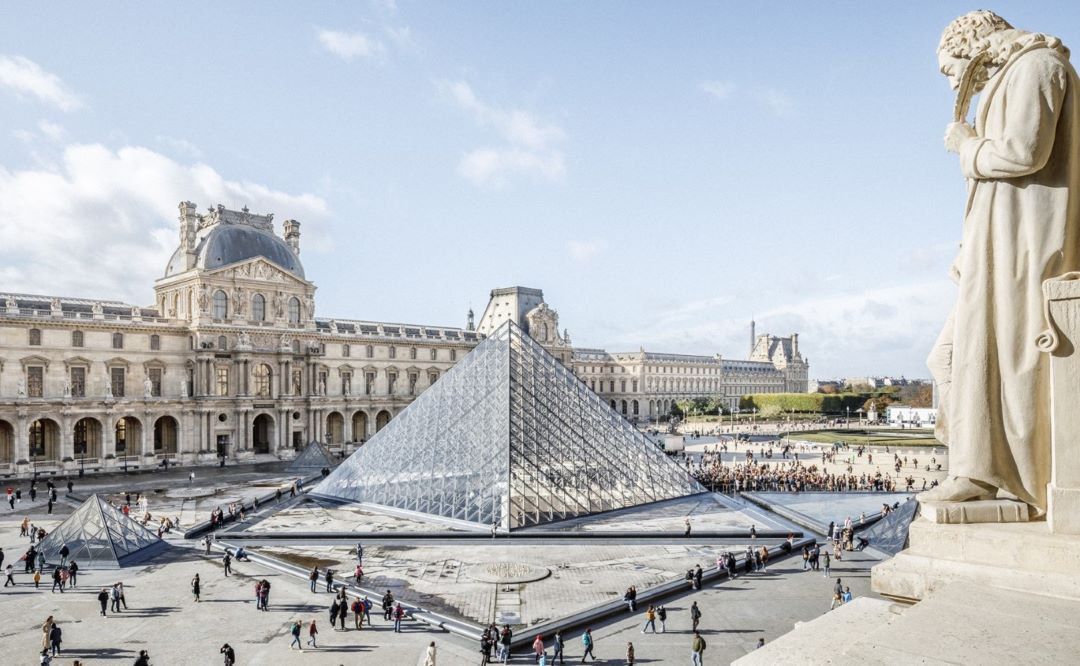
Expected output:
(34, 360)
(258, 269)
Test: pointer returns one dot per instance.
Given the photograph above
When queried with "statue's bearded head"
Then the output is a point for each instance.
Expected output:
(965, 38)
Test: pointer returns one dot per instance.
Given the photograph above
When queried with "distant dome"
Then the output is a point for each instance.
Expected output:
(227, 244)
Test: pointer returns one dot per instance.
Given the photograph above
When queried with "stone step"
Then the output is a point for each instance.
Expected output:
(961, 623)
(816, 641)
(1027, 546)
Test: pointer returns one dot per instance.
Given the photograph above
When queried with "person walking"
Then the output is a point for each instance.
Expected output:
(429, 656)
(9, 572)
(650, 619)
(485, 647)
(698, 573)
(329, 579)
(196, 587)
(313, 577)
(73, 572)
(697, 650)
(343, 612)
(629, 653)
(538, 648)
(825, 563)
(557, 647)
(587, 643)
(103, 599)
(387, 605)
(367, 610)
(695, 615)
(686, 527)
(56, 580)
(313, 634)
(334, 607)
(120, 591)
(64, 552)
(46, 631)
(37, 579)
(229, 654)
(357, 608)
(805, 557)
(661, 614)
(227, 561)
(399, 615)
(359, 554)
(114, 598)
(144, 658)
(264, 595)
(295, 631)
(358, 573)
(55, 638)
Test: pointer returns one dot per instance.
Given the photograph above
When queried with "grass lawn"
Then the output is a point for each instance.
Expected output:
(894, 438)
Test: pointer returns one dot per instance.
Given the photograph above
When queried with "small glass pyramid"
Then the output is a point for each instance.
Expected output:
(510, 437)
(99, 536)
(313, 458)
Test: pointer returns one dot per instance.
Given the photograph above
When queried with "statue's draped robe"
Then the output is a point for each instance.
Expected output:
(1022, 226)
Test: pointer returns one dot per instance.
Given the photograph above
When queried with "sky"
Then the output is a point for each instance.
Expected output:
(663, 171)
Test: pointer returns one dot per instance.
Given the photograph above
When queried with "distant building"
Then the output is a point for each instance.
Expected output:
(919, 417)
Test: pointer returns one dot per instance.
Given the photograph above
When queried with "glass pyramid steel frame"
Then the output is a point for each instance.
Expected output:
(99, 536)
(314, 457)
(508, 437)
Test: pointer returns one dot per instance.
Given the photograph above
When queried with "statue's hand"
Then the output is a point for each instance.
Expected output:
(956, 134)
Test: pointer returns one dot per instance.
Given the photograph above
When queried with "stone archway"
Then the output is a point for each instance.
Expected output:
(359, 426)
(128, 436)
(166, 436)
(7, 443)
(335, 427)
(262, 433)
(381, 419)
(44, 441)
(86, 438)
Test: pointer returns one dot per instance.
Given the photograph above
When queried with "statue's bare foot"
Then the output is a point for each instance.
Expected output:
(958, 489)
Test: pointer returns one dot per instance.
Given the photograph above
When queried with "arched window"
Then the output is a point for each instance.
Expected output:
(35, 337)
(345, 351)
(258, 307)
(294, 310)
(76, 338)
(222, 342)
(543, 332)
(221, 304)
(262, 380)
(155, 342)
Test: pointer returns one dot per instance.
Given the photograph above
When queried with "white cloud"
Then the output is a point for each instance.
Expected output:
(876, 330)
(718, 89)
(583, 251)
(778, 102)
(51, 130)
(532, 145)
(26, 78)
(180, 146)
(350, 45)
(103, 223)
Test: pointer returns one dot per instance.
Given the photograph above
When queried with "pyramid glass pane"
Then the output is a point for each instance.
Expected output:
(99, 536)
(313, 457)
(508, 436)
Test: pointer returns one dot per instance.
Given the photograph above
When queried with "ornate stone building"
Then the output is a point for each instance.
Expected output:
(232, 361)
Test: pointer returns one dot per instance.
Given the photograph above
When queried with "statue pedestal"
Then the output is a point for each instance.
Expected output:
(1062, 296)
(1022, 556)
(981, 511)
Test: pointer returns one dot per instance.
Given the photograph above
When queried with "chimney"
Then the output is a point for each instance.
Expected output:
(292, 235)
(794, 345)
(189, 226)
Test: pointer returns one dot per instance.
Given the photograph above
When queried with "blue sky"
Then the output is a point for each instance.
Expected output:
(662, 170)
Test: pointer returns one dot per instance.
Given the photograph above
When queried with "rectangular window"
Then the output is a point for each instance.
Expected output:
(369, 351)
(76, 338)
(592, 385)
(432, 377)
(391, 381)
(155, 381)
(634, 385)
(35, 381)
(117, 340)
(35, 337)
(369, 383)
(345, 351)
(155, 343)
(453, 354)
(222, 380)
(78, 382)
(412, 353)
(116, 377)
(622, 385)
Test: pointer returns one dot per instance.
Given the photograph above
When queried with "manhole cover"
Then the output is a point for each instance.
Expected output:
(506, 572)
(585, 581)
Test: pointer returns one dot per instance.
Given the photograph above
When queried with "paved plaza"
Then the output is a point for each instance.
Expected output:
(163, 618)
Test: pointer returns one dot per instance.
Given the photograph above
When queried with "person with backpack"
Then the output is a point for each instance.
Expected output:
(504, 643)
(695, 615)
(313, 635)
(229, 653)
(358, 613)
(313, 577)
(661, 614)
(697, 650)
(295, 631)
(399, 615)
(557, 647)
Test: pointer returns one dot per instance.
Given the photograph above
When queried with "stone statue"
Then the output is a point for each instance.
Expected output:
(108, 389)
(244, 341)
(21, 388)
(67, 388)
(148, 388)
(11, 303)
(183, 388)
(1022, 226)
(279, 305)
(239, 304)
(310, 306)
(204, 299)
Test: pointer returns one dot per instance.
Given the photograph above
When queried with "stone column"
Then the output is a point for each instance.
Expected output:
(108, 437)
(67, 440)
(146, 446)
(1061, 341)
(22, 439)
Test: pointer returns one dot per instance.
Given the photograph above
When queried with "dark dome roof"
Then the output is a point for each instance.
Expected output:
(232, 243)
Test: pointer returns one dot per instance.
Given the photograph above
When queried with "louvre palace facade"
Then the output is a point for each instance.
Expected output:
(231, 361)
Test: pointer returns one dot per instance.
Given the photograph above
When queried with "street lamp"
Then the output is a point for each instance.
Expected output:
(847, 421)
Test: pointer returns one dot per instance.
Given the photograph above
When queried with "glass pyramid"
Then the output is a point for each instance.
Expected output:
(313, 458)
(99, 536)
(509, 436)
